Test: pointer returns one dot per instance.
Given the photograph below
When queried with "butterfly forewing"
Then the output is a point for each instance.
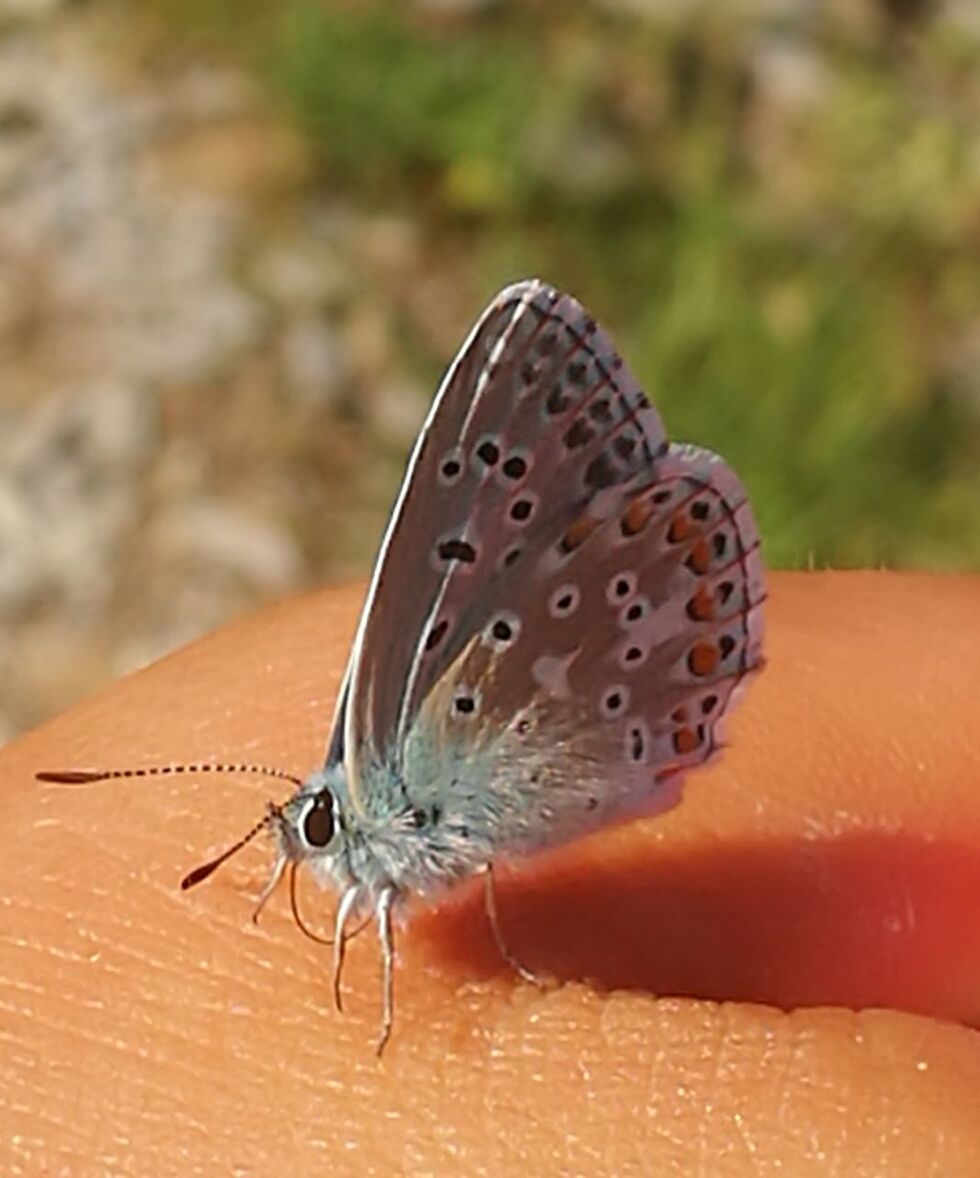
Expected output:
(557, 424)
(436, 496)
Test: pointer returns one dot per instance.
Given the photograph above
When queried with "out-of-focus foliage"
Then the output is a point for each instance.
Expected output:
(774, 206)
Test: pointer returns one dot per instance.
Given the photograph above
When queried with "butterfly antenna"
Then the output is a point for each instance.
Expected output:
(199, 874)
(85, 776)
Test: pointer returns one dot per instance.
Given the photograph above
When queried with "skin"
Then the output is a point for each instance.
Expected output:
(829, 861)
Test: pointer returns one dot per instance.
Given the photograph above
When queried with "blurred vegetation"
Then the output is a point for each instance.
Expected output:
(775, 209)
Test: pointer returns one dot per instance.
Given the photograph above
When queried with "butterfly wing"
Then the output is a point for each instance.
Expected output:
(534, 365)
(576, 603)
(578, 684)
(391, 621)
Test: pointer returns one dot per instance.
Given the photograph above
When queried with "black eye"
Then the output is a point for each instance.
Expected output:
(318, 821)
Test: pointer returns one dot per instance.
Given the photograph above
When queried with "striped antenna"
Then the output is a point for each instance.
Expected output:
(199, 874)
(274, 813)
(86, 776)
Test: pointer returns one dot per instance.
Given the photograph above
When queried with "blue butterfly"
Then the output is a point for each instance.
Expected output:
(563, 611)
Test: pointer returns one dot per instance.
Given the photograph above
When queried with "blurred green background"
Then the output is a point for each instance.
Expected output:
(774, 206)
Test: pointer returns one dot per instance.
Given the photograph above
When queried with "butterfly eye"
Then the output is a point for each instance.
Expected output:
(317, 823)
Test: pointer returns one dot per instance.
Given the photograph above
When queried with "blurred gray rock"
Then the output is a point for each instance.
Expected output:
(132, 278)
(29, 9)
(156, 355)
(314, 362)
(211, 533)
(65, 469)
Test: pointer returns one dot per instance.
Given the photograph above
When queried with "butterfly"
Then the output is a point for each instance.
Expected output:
(563, 612)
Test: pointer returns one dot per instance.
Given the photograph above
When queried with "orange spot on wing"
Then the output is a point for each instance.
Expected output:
(636, 517)
(701, 607)
(703, 658)
(685, 740)
(579, 532)
(699, 560)
(680, 528)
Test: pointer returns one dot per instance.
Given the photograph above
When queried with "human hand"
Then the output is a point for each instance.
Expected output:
(831, 859)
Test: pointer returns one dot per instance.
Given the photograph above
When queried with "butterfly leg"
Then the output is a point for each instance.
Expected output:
(347, 902)
(383, 915)
(301, 923)
(271, 884)
(490, 900)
